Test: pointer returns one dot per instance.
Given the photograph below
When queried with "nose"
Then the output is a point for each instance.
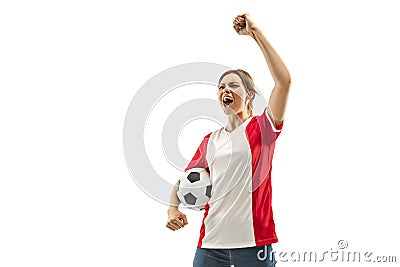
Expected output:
(226, 90)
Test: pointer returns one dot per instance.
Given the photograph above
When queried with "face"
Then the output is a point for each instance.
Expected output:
(232, 95)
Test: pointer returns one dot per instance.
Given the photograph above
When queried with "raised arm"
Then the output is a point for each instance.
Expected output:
(244, 25)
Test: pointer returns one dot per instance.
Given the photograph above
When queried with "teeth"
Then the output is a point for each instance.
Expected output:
(227, 100)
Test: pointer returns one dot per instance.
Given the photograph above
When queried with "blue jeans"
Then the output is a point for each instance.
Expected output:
(258, 256)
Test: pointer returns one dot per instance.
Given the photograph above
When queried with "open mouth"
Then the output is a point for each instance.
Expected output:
(227, 101)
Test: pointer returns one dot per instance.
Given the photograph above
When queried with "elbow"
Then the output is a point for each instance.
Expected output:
(288, 80)
(284, 83)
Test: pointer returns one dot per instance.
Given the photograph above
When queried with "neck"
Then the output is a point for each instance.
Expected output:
(236, 120)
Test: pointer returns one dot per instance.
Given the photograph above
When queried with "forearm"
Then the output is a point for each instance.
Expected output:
(174, 200)
(277, 68)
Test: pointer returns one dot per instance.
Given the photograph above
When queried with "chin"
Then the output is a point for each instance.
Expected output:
(229, 111)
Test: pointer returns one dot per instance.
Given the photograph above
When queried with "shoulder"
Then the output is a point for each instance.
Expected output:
(265, 121)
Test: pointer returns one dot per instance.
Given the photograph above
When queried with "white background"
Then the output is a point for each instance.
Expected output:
(69, 69)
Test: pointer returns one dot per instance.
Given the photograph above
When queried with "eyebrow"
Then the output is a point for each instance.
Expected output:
(223, 84)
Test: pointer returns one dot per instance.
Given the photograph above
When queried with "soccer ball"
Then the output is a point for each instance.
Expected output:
(194, 188)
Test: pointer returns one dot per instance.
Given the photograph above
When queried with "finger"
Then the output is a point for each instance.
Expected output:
(240, 23)
(236, 29)
(184, 219)
(176, 222)
(170, 228)
(179, 222)
(173, 226)
(239, 20)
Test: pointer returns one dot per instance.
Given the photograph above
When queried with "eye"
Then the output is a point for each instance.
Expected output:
(233, 85)
(221, 87)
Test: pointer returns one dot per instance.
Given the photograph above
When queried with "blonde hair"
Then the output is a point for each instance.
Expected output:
(248, 85)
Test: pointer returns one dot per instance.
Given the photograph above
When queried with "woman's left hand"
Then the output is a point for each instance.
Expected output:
(243, 24)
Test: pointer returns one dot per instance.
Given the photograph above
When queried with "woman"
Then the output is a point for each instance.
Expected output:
(238, 227)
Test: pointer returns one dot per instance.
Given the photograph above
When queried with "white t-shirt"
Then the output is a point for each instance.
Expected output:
(239, 212)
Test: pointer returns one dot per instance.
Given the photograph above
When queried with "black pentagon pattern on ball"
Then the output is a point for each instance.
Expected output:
(208, 190)
(193, 177)
(190, 199)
